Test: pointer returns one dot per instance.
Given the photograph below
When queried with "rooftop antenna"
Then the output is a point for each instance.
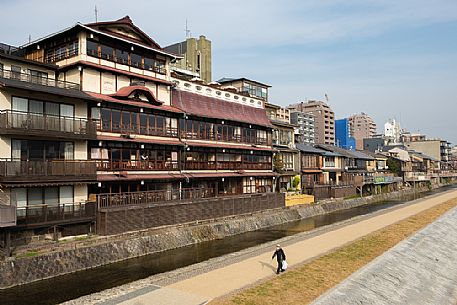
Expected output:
(96, 14)
(326, 97)
(30, 38)
(188, 35)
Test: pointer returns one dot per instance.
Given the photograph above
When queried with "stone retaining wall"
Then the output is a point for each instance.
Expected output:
(419, 270)
(104, 250)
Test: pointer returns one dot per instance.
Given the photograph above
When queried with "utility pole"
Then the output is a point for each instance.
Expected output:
(96, 14)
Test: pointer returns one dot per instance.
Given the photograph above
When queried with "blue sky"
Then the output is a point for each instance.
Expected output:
(386, 58)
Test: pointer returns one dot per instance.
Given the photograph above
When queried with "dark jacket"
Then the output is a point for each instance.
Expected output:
(280, 256)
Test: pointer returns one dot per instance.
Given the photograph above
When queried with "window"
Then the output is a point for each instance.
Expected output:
(92, 48)
(122, 57)
(38, 76)
(16, 72)
(106, 52)
(135, 60)
(51, 196)
(41, 150)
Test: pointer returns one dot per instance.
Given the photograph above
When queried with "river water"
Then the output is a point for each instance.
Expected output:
(71, 286)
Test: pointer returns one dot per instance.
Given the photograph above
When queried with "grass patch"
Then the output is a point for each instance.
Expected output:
(303, 284)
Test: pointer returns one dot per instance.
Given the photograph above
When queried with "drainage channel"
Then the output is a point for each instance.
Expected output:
(71, 286)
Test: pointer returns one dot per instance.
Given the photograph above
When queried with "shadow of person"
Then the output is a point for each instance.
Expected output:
(263, 264)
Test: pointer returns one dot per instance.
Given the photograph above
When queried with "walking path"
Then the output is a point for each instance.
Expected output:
(235, 274)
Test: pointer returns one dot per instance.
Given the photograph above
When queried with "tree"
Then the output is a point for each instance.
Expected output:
(296, 182)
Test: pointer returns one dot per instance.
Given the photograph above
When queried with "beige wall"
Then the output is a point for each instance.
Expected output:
(5, 148)
(80, 193)
(80, 150)
(91, 80)
(25, 67)
(5, 100)
(430, 148)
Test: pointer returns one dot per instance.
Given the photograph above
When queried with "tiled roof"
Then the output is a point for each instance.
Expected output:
(165, 141)
(108, 98)
(211, 107)
(178, 175)
(126, 91)
(228, 146)
(11, 83)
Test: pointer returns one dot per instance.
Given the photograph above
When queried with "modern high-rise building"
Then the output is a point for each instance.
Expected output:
(392, 131)
(196, 58)
(324, 120)
(304, 127)
(361, 127)
(343, 135)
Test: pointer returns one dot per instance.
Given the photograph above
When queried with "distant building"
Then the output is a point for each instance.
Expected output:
(392, 131)
(412, 137)
(343, 136)
(362, 127)
(286, 162)
(436, 148)
(304, 127)
(196, 61)
(324, 118)
(375, 144)
(247, 86)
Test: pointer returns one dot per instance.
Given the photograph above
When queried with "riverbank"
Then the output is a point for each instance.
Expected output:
(303, 284)
(229, 274)
(98, 251)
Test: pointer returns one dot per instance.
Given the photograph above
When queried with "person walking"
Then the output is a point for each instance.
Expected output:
(280, 258)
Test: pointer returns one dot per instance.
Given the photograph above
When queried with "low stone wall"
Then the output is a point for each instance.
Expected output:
(419, 270)
(104, 250)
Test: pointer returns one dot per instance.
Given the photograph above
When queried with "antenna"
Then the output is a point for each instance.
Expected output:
(188, 35)
(30, 38)
(96, 14)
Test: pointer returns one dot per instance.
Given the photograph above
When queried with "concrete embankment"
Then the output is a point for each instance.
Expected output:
(105, 250)
(419, 270)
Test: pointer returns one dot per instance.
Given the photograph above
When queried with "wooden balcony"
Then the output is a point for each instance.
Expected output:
(107, 165)
(43, 81)
(42, 125)
(42, 215)
(140, 198)
(47, 171)
(226, 165)
(116, 127)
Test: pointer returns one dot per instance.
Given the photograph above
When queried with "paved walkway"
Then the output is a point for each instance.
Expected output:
(235, 276)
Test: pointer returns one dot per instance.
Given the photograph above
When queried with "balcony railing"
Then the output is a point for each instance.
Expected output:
(140, 130)
(137, 165)
(46, 214)
(25, 77)
(226, 165)
(16, 170)
(141, 198)
(18, 122)
(214, 136)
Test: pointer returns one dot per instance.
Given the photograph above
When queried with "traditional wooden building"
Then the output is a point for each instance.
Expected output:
(101, 99)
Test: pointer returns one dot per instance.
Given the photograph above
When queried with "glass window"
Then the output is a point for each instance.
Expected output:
(122, 57)
(135, 60)
(19, 197)
(116, 120)
(51, 196)
(92, 48)
(66, 194)
(67, 110)
(35, 196)
(20, 104)
(35, 106)
(106, 52)
(16, 72)
(52, 109)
